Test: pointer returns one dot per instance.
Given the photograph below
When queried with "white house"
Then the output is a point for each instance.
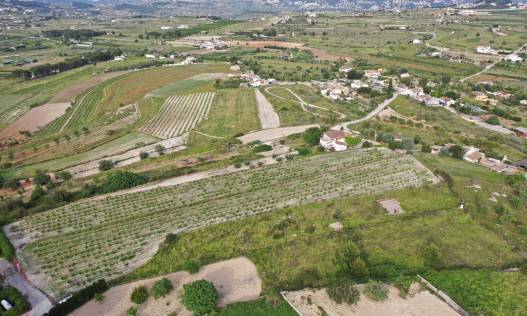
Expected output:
(513, 58)
(334, 140)
(150, 56)
(487, 50)
(417, 41)
(164, 27)
(345, 69)
(119, 58)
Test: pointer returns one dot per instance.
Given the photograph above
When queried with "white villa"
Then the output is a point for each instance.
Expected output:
(334, 140)
(513, 58)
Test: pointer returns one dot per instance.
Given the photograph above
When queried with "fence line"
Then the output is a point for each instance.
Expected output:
(445, 297)
(290, 304)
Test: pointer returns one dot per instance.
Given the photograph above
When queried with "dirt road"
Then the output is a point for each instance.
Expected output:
(266, 113)
(274, 133)
(370, 115)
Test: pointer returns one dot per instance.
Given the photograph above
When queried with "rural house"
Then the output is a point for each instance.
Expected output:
(521, 132)
(334, 140)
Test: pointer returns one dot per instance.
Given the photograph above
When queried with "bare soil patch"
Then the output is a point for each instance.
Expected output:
(274, 133)
(236, 280)
(33, 120)
(418, 303)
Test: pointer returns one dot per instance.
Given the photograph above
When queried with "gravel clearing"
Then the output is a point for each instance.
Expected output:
(267, 115)
(236, 280)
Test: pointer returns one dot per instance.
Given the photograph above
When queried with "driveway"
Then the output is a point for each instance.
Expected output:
(40, 304)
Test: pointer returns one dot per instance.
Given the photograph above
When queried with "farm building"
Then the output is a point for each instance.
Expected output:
(391, 206)
(521, 132)
(473, 155)
(334, 140)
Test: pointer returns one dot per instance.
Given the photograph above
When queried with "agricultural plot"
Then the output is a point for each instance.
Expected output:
(106, 237)
(179, 114)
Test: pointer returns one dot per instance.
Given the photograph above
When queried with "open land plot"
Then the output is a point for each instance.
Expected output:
(420, 303)
(138, 84)
(484, 291)
(266, 113)
(441, 125)
(179, 114)
(236, 280)
(109, 236)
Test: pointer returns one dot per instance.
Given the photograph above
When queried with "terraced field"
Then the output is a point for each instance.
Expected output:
(82, 112)
(179, 114)
(72, 246)
(12, 106)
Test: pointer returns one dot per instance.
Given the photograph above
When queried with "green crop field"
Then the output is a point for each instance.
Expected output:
(106, 237)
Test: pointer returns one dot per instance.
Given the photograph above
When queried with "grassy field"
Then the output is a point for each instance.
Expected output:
(441, 126)
(126, 226)
(294, 248)
(484, 292)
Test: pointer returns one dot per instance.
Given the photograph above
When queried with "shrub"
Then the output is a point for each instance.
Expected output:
(98, 297)
(302, 151)
(64, 175)
(200, 296)
(312, 135)
(262, 148)
(41, 178)
(161, 288)
(353, 141)
(121, 180)
(376, 290)
(345, 292)
(8, 251)
(139, 295)
(425, 148)
(457, 151)
(132, 311)
(143, 155)
(493, 120)
(160, 149)
(105, 165)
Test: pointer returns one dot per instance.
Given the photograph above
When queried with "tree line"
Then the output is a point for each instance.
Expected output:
(70, 63)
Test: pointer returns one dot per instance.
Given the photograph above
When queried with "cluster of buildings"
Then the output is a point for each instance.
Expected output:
(474, 155)
(213, 44)
(335, 140)
(346, 89)
(256, 81)
(487, 50)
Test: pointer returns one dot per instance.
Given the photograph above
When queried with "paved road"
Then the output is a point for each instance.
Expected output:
(373, 113)
(40, 304)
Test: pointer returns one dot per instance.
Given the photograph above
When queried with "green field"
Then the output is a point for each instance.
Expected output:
(127, 225)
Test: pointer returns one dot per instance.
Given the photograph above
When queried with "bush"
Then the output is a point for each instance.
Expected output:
(143, 155)
(345, 292)
(41, 178)
(121, 180)
(98, 297)
(493, 120)
(105, 165)
(64, 175)
(312, 135)
(132, 311)
(425, 148)
(161, 288)
(19, 302)
(8, 251)
(139, 295)
(302, 151)
(200, 296)
(262, 148)
(457, 151)
(376, 290)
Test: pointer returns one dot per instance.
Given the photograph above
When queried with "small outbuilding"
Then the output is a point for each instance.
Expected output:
(391, 206)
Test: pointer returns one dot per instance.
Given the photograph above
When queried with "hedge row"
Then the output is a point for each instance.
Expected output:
(78, 299)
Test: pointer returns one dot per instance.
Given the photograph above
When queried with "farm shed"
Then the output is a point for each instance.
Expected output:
(391, 206)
